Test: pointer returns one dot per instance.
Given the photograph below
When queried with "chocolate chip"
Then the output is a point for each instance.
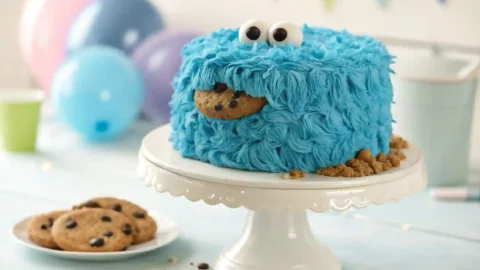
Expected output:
(70, 224)
(280, 34)
(253, 33)
(123, 249)
(43, 227)
(219, 87)
(203, 266)
(232, 104)
(138, 215)
(97, 242)
(127, 229)
(106, 218)
(92, 204)
(50, 222)
(117, 207)
(218, 107)
(108, 233)
(236, 94)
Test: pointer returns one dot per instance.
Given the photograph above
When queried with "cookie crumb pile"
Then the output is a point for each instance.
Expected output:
(97, 225)
(398, 143)
(294, 174)
(365, 164)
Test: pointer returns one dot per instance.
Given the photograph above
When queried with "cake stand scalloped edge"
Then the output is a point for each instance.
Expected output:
(321, 200)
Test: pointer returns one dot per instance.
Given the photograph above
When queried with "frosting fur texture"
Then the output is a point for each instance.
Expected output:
(327, 99)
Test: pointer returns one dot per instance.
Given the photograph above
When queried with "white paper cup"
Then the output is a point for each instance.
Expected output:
(434, 99)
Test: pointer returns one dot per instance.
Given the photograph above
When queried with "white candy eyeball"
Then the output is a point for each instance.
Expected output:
(283, 33)
(253, 31)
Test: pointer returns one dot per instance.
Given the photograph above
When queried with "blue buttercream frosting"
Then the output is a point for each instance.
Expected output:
(327, 99)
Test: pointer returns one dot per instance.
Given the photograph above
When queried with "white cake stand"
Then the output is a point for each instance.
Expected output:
(277, 234)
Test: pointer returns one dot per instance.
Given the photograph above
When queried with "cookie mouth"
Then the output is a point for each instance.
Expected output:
(227, 104)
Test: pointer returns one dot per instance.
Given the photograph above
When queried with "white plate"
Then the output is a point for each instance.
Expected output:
(168, 230)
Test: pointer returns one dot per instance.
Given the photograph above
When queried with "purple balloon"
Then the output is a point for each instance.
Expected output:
(158, 59)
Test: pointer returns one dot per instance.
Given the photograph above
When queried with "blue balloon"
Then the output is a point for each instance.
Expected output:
(122, 24)
(98, 92)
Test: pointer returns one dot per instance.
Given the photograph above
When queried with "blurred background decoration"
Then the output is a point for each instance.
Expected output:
(329, 4)
(158, 59)
(98, 92)
(434, 104)
(106, 22)
(97, 89)
(43, 35)
(384, 3)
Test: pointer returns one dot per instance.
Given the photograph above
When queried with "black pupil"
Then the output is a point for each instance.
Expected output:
(280, 34)
(253, 33)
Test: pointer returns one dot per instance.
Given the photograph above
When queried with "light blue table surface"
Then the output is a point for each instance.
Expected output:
(415, 233)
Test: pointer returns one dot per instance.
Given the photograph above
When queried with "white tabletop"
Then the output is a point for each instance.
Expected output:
(415, 233)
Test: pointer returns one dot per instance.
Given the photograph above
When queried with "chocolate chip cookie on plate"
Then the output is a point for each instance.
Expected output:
(93, 230)
(145, 226)
(40, 226)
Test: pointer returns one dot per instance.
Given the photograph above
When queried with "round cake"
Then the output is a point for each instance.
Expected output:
(281, 98)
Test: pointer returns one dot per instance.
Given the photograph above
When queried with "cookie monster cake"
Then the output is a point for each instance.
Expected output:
(281, 98)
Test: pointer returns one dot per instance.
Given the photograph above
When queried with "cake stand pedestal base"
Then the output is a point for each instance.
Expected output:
(281, 240)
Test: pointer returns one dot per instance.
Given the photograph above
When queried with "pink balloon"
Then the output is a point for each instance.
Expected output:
(43, 34)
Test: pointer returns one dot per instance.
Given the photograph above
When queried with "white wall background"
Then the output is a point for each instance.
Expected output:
(458, 22)
(13, 72)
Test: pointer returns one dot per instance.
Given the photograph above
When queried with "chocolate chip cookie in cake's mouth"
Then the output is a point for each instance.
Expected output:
(227, 104)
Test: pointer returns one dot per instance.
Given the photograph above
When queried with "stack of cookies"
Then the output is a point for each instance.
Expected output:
(98, 225)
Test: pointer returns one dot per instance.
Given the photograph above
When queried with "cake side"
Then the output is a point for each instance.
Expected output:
(324, 101)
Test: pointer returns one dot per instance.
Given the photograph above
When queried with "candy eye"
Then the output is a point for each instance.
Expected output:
(283, 33)
(253, 31)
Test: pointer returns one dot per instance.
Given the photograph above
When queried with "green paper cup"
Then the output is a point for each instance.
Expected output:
(19, 114)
